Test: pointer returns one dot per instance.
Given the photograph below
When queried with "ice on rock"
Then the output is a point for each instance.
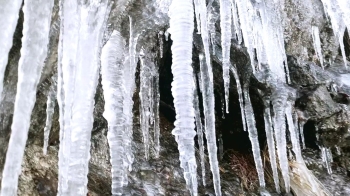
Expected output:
(34, 49)
(253, 135)
(209, 120)
(9, 11)
(112, 71)
(225, 25)
(50, 108)
(181, 29)
(199, 128)
(327, 158)
(317, 44)
(271, 142)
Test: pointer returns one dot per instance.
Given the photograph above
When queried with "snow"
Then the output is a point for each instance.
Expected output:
(33, 53)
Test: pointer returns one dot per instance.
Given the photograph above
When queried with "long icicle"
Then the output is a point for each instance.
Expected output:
(181, 28)
(156, 98)
(240, 96)
(253, 135)
(209, 119)
(225, 24)
(271, 142)
(9, 11)
(93, 18)
(199, 127)
(33, 53)
(50, 109)
(112, 71)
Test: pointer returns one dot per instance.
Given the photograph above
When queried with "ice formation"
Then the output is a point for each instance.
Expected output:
(209, 120)
(257, 24)
(181, 29)
(33, 53)
(50, 108)
(317, 44)
(112, 73)
(9, 11)
(199, 129)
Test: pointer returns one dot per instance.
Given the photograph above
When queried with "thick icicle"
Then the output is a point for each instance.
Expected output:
(33, 53)
(146, 100)
(253, 136)
(209, 119)
(50, 108)
(225, 25)
(279, 99)
(293, 133)
(92, 25)
(271, 143)
(9, 11)
(240, 96)
(317, 44)
(199, 128)
(181, 28)
(112, 71)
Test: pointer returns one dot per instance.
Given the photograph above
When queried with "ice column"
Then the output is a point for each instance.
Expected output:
(92, 25)
(112, 71)
(199, 127)
(271, 142)
(33, 53)
(50, 109)
(225, 24)
(8, 19)
(181, 29)
(253, 136)
(317, 44)
(209, 119)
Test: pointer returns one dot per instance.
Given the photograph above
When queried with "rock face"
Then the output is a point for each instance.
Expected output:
(322, 102)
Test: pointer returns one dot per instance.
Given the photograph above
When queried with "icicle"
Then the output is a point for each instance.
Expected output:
(9, 11)
(146, 100)
(212, 18)
(82, 107)
(35, 39)
(67, 53)
(253, 136)
(181, 25)
(50, 108)
(225, 25)
(240, 95)
(236, 24)
(209, 119)
(317, 44)
(156, 98)
(197, 7)
(301, 131)
(327, 158)
(160, 38)
(199, 129)
(112, 71)
(293, 135)
(279, 99)
(271, 143)
(166, 35)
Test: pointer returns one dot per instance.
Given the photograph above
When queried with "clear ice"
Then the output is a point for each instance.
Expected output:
(181, 29)
(50, 109)
(34, 49)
